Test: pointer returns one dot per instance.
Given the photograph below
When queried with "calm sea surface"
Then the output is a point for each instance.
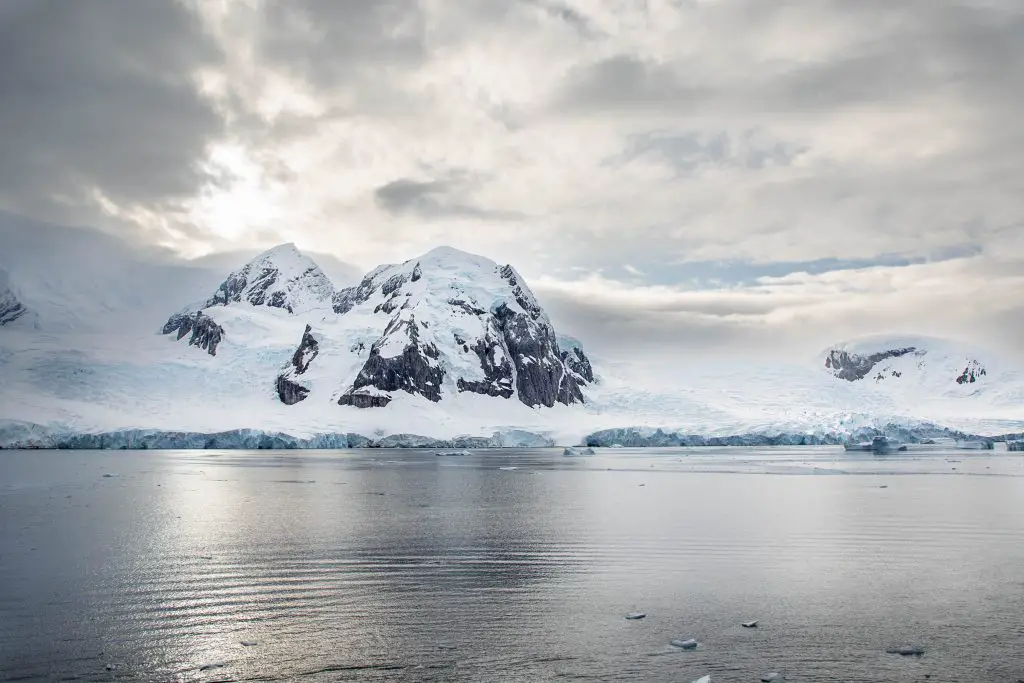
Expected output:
(511, 565)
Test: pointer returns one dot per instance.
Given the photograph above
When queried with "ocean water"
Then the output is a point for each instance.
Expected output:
(511, 565)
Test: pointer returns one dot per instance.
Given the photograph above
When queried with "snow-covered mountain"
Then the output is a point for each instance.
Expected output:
(934, 363)
(926, 372)
(445, 323)
(442, 345)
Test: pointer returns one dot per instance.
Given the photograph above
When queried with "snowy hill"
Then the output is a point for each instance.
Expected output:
(444, 345)
(935, 363)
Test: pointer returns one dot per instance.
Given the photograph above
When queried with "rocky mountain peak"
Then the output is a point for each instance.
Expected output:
(281, 277)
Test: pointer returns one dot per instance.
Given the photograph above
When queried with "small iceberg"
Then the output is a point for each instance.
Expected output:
(704, 679)
(633, 616)
(508, 469)
(750, 624)
(573, 451)
(975, 444)
(906, 650)
(688, 644)
(443, 454)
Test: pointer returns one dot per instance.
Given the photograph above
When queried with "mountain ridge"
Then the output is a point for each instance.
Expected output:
(239, 363)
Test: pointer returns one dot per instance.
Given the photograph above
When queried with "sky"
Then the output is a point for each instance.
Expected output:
(670, 176)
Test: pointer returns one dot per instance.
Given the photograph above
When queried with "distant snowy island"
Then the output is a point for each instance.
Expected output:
(448, 349)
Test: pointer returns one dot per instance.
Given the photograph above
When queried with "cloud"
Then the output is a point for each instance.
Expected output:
(706, 145)
(432, 198)
(98, 103)
(793, 316)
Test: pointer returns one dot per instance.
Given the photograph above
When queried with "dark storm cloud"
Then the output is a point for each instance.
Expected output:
(99, 94)
(432, 199)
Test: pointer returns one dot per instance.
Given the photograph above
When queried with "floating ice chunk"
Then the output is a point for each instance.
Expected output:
(573, 451)
(704, 679)
(452, 453)
(688, 644)
(636, 615)
(906, 650)
(508, 469)
(750, 624)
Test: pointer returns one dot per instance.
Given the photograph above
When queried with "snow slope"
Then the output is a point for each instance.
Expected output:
(443, 337)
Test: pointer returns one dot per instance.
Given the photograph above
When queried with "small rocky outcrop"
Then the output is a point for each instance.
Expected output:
(346, 299)
(972, 373)
(364, 398)
(11, 307)
(852, 366)
(206, 334)
(578, 363)
(289, 390)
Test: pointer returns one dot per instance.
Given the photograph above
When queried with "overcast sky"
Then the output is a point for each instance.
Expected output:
(671, 175)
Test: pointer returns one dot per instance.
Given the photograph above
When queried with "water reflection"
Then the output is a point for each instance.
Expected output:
(403, 565)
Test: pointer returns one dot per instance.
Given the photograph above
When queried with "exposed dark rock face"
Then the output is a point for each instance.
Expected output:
(350, 297)
(578, 363)
(971, 373)
(541, 377)
(289, 390)
(11, 307)
(851, 366)
(308, 349)
(359, 399)
(498, 376)
(206, 334)
(415, 370)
